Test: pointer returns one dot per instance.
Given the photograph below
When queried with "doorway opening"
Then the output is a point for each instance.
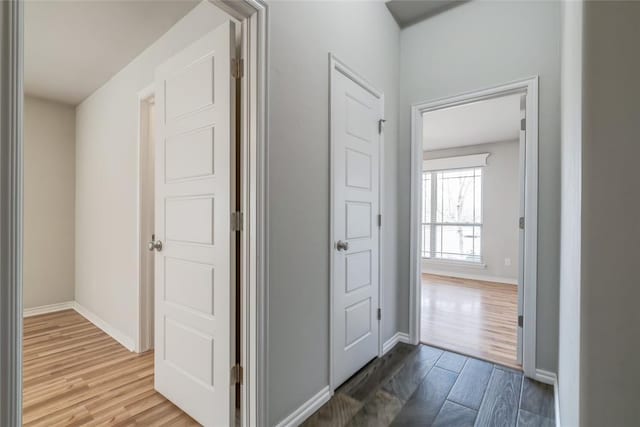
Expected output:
(146, 200)
(131, 182)
(473, 224)
(19, 371)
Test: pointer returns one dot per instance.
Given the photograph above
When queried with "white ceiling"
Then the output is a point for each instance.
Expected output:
(493, 120)
(407, 12)
(73, 47)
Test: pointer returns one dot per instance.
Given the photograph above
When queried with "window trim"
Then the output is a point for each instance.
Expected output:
(470, 161)
(477, 162)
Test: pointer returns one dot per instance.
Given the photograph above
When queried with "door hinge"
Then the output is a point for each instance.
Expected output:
(237, 68)
(520, 321)
(521, 223)
(379, 314)
(236, 374)
(380, 125)
(523, 124)
(379, 220)
(236, 221)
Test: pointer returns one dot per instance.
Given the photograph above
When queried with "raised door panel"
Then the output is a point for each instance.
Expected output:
(355, 175)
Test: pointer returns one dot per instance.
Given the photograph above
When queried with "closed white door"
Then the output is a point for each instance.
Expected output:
(194, 290)
(355, 115)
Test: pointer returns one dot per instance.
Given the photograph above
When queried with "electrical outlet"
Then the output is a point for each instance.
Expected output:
(507, 262)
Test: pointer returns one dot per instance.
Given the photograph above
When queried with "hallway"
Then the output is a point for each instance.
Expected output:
(426, 386)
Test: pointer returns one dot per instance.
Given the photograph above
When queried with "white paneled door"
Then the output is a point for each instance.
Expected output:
(194, 291)
(356, 112)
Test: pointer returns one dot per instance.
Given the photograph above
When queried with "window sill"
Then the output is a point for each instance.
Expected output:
(454, 263)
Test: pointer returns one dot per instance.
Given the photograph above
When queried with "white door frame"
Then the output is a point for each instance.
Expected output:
(335, 65)
(530, 87)
(253, 15)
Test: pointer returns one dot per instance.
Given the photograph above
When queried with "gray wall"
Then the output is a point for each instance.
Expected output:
(500, 210)
(49, 202)
(473, 46)
(366, 38)
(610, 330)
(569, 334)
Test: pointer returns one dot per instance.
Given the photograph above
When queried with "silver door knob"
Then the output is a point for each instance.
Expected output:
(342, 246)
(155, 244)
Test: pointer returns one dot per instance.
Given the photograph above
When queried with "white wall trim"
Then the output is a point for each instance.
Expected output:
(254, 15)
(471, 276)
(551, 378)
(457, 162)
(395, 339)
(116, 334)
(107, 328)
(49, 308)
(307, 409)
(529, 288)
(546, 377)
(427, 263)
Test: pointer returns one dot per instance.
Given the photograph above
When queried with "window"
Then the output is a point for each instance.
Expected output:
(452, 215)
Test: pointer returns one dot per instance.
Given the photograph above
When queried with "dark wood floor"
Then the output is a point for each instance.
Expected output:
(426, 386)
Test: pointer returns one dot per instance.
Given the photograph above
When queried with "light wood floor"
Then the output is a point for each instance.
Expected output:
(75, 374)
(472, 317)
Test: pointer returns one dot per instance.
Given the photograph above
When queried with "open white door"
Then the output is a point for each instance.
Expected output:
(194, 290)
(355, 119)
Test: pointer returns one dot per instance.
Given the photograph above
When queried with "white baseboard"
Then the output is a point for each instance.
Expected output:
(307, 409)
(395, 339)
(469, 276)
(114, 333)
(552, 379)
(50, 308)
(545, 376)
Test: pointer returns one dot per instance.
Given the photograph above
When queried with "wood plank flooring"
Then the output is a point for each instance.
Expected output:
(471, 317)
(76, 375)
(427, 386)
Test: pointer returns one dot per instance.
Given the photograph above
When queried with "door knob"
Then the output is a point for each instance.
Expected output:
(155, 244)
(342, 246)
